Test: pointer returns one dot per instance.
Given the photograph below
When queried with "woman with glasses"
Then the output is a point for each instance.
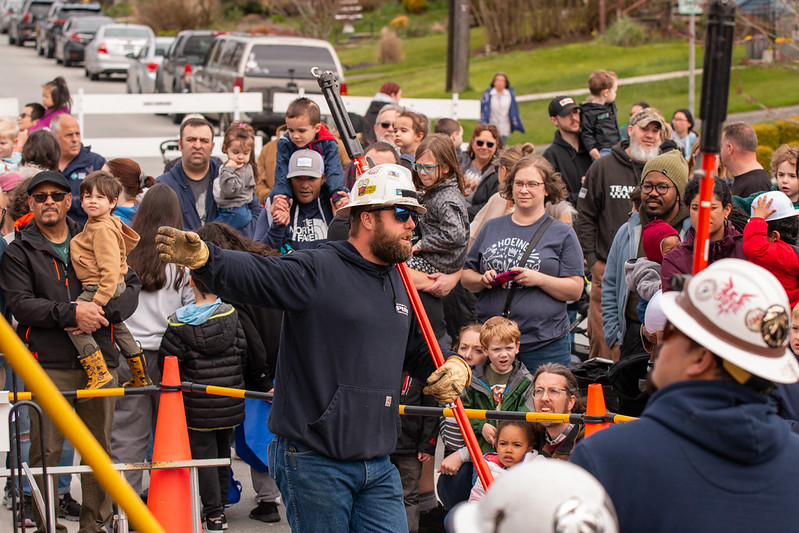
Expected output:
(444, 229)
(540, 262)
(477, 165)
(725, 240)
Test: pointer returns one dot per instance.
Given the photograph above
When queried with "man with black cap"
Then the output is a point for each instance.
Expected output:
(566, 153)
(41, 291)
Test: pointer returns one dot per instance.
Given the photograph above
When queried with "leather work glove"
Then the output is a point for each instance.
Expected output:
(184, 248)
(449, 380)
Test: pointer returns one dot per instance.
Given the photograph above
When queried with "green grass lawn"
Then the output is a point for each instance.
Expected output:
(422, 74)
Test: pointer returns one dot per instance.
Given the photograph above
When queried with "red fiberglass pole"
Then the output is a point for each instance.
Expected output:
(713, 111)
(329, 85)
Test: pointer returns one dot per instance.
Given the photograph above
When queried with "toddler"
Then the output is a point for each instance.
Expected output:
(99, 256)
(514, 445)
(305, 130)
(643, 274)
(233, 188)
(452, 129)
(409, 130)
(9, 159)
(599, 130)
(208, 340)
(770, 240)
(503, 383)
(56, 101)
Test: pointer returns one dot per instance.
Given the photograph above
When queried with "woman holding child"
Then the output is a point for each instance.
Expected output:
(542, 257)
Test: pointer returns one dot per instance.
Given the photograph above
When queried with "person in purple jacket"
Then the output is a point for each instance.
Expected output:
(56, 101)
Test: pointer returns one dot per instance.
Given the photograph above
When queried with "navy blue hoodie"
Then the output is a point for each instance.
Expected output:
(348, 333)
(706, 456)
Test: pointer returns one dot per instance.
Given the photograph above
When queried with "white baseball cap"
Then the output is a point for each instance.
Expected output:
(384, 185)
(780, 202)
(740, 312)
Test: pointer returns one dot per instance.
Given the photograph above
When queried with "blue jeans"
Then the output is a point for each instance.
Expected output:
(455, 489)
(557, 351)
(325, 495)
(235, 217)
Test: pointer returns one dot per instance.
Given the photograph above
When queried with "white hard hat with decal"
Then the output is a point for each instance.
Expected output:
(740, 312)
(540, 496)
(384, 185)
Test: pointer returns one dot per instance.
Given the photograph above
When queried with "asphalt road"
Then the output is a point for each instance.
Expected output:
(24, 73)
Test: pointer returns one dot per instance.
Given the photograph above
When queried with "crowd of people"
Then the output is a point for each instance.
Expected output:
(274, 272)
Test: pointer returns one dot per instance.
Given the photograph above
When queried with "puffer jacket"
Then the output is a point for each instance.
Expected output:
(680, 260)
(211, 353)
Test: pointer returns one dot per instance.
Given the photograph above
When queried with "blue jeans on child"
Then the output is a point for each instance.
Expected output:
(557, 351)
(235, 217)
(323, 494)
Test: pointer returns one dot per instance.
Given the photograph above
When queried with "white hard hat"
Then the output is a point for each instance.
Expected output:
(779, 201)
(541, 496)
(740, 312)
(384, 185)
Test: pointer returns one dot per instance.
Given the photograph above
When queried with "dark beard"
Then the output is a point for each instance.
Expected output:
(387, 248)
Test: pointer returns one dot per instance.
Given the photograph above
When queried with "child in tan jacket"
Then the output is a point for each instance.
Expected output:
(99, 257)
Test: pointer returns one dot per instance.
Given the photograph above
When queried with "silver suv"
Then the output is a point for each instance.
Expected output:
(267, 65)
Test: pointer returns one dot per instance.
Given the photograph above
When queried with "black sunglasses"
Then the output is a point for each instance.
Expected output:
(402, 214)
(41, 197)
(386, 125)
(490, 144)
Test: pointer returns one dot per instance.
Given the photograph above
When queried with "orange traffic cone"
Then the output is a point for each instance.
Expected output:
(595, 407)
(169, 498)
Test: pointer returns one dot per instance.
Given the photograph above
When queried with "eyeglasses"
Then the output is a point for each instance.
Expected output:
(490, 144)
(662, 188)
(530, 185)
(552, 392)
(23, 115)
(427, 169)
(387, 125)
(41, 197)
(401, 214)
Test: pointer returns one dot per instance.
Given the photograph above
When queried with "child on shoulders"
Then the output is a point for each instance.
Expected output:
(234, 187)
(599, 129)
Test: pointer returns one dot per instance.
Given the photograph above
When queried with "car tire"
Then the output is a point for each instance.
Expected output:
(225, 120)
(94, 76)
(48, 50)
(20, 42)
(10, 38)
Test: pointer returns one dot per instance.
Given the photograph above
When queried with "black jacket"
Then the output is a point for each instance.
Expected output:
(598, 126)
(211, 353)
(571, 164)
(40, 291)
(418, 432)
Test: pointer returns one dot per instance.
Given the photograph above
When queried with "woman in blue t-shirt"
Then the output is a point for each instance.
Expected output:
(551, 275)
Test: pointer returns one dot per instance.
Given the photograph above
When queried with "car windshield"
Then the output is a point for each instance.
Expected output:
(39, 10)
(198, 45)
(134, 33)
(161, 48)
(87, 25)
(282, 61)
(78, 12)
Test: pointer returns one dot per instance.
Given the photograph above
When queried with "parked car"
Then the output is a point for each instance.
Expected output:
(22, 26)
(7, 10)
(187, 51)
(267, 65)
(141, 72)
(107, 53)
(56, 17)
(71, 41)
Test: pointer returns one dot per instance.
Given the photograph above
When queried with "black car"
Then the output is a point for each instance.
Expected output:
(56, 17)
(71, 41)
(23, 23)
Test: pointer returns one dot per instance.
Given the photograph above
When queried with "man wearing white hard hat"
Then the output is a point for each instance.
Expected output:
(709, 452)
(348, 332)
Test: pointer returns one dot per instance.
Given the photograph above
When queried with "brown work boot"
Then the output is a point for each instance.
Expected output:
(94, 365)
(138, 371)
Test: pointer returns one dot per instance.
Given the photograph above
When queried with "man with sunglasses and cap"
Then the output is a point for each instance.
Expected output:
(349, 331)
(709, 452)
(566, 153)
(41, 291)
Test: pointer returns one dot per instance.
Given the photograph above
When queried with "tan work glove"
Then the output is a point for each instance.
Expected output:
(449, 380)
(184, 248)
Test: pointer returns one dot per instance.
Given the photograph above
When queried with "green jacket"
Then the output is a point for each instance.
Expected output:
(518, 397)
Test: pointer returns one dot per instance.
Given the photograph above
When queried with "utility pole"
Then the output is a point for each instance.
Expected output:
(458, 46)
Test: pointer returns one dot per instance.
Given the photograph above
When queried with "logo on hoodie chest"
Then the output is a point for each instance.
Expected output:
(401, 309)
(620, 192)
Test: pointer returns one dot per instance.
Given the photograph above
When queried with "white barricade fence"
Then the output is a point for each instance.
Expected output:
(9, 108)
(454, 107)
(133, 147)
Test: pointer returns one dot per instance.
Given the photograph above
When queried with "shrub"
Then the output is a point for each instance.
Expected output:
(788, 130)
(626, 32)
(120, 9)
(415, 6)
(390, 48)
(400, 22)
(163, 15)
(767, 135)
(764, 155)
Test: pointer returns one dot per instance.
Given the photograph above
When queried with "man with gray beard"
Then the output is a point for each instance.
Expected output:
(604, 205)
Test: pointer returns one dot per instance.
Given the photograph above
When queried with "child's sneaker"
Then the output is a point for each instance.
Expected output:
(68, 508)
(266, 512)
(216, 523)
